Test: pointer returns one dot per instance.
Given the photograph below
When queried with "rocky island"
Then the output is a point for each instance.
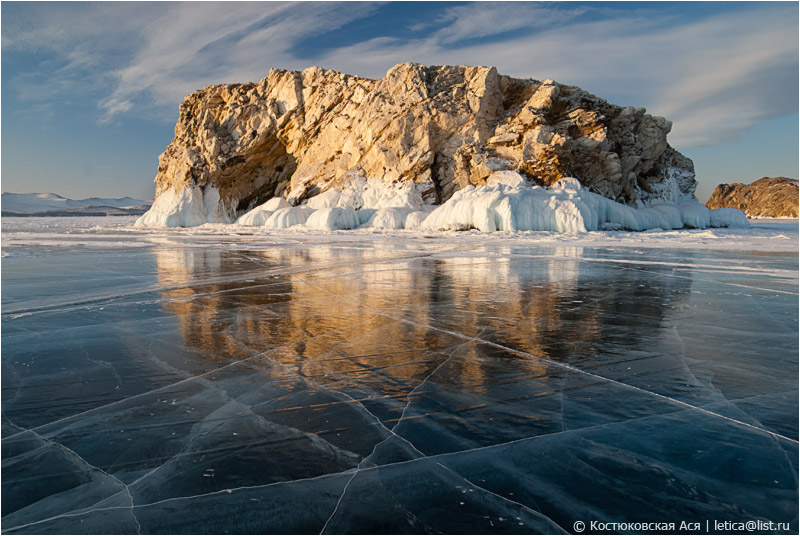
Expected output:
(768, 197)
(418, 138)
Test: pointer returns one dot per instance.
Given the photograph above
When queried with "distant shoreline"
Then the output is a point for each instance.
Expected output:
(68, 214)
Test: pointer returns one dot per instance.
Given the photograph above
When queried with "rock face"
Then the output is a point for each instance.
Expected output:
(299, 133)
(767, 197)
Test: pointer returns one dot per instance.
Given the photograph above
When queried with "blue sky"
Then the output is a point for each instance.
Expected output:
(90, 91)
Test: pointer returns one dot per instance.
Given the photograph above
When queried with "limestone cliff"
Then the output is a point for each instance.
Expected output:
(767, 197)
(299, 133)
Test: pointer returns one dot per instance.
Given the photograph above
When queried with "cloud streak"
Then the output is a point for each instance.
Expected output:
(714, 77)
(193, 45)
(478, 20)
(145, 57)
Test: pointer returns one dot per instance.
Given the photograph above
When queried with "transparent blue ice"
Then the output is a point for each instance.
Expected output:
(207, 384)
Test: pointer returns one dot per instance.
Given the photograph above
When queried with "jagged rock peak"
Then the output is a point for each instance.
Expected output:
(768, 197)
(440, 128)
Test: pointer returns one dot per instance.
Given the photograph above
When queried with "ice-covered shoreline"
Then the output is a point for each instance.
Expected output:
(763, 235)
(507, 203)
(509, 210)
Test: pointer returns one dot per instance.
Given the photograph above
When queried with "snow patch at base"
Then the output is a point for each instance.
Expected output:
(566, 208)
(259, 215)
(284, 218)
(327, 199)
(390, 218)
(727, 217)
(358, 192)
(415, 219)
(190, 207)
(332, 219)
(508, 203)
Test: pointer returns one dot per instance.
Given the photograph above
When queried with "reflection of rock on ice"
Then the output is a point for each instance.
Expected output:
(181, 272)
(178, 266)
(365, 321)
(566, 269)
(368, 306)
(481, 272)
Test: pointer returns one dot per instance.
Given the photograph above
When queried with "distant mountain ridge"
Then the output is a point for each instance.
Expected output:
(55, 205)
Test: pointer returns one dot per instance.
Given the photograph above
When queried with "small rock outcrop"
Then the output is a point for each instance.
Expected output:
(768, 197)
(441, 128)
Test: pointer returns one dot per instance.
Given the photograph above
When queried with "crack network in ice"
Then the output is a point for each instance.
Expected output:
(184, 380)
(564, 366)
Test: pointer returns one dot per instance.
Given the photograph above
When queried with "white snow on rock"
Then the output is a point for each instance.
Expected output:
(509, 178)
(566, 208)
(275, 203)
(327, 199)
(415, 219)
(378, 195)
(259, 215)
(697, 216)
(190, 207)
(568, 184)
(364, 215)
(358, 192)
(508, 203)
(332, 219)
(671, 215)
(390, 218)
(667, 191)
(727, 217)
(283, 218)
(508, 208)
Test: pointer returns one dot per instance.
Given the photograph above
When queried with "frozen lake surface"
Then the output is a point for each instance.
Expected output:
(230, 380)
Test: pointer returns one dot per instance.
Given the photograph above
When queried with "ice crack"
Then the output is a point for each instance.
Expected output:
(358, 403)
(187, 379)
(344, 491)
(536, 513)
(349, 471)
(414, 390)
(71, 452)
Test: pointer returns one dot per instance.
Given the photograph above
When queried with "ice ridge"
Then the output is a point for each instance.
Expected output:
(507, 203)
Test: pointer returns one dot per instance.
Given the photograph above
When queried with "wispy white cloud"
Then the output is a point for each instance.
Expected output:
(73, 47)
(148, 56)
(61, 26)
(713, 77)
(192, 45)
(477, 20)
